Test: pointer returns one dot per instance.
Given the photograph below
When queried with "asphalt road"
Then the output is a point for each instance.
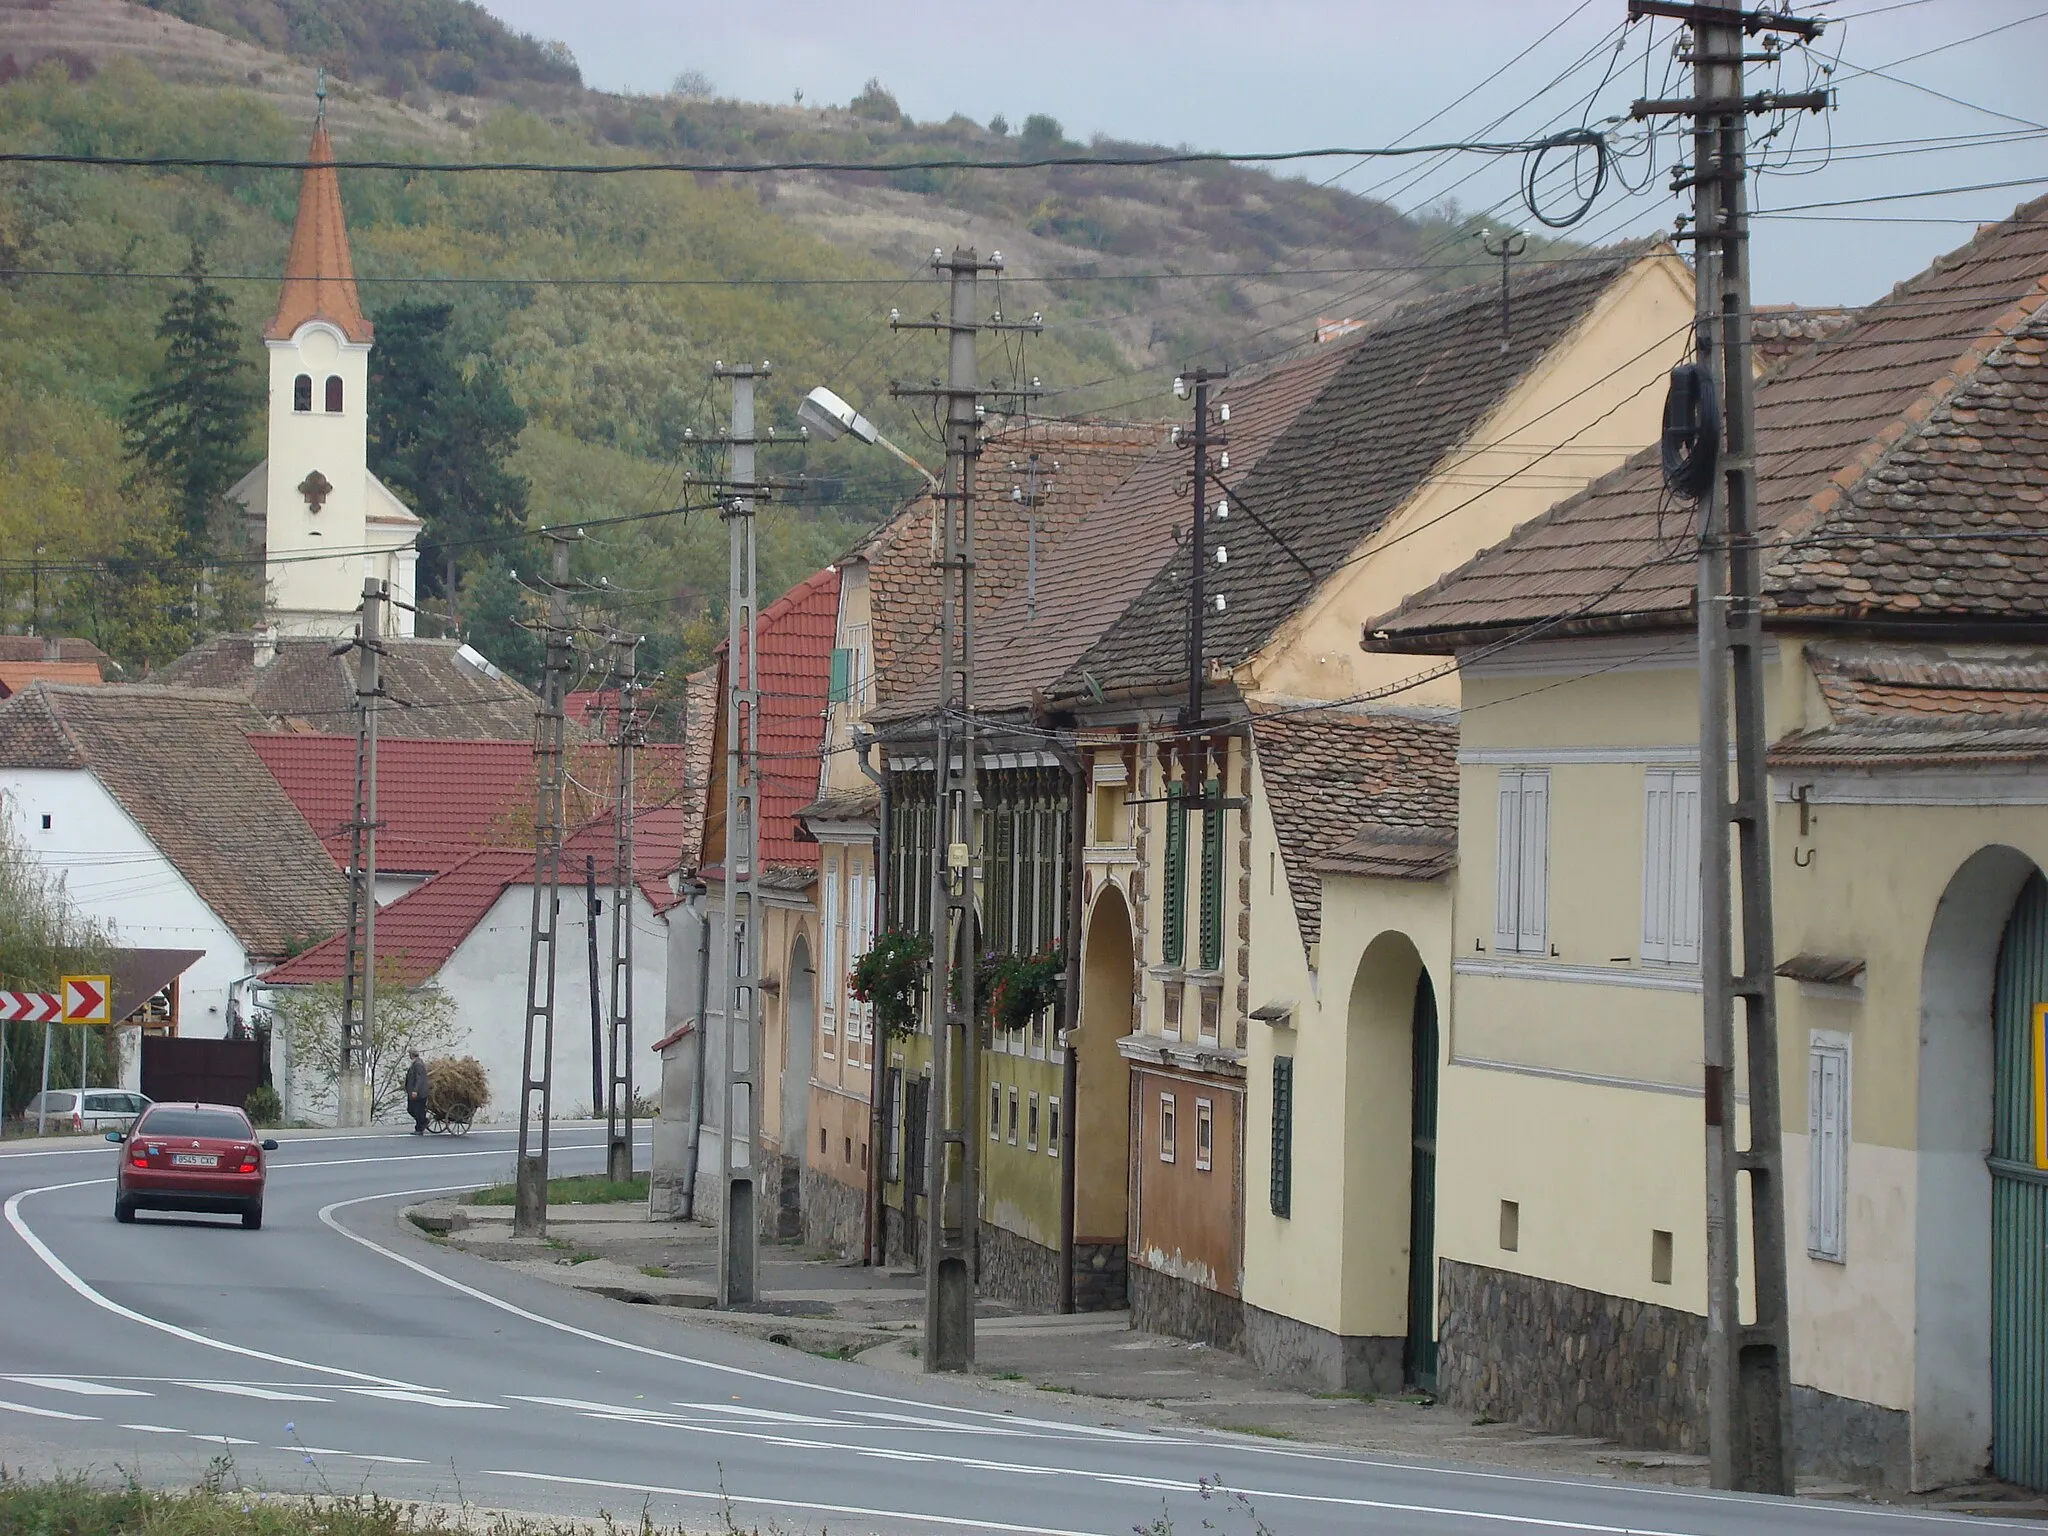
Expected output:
(333, 1351)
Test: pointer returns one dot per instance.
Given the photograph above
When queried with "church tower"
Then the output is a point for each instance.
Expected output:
(326, 523)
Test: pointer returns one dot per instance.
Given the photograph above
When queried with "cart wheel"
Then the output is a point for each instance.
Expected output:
(458, 1125)
(436, 1125)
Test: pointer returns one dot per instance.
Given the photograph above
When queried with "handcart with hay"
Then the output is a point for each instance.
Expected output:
(456, 1090)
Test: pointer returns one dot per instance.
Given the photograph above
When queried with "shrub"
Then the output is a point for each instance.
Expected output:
(264, 1107)
(891, 977)
(876, 102)
(1012, 990)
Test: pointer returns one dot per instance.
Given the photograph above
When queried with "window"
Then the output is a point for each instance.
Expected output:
(847, 1156)
(302, 392)
(1660, 1258)
(1205, 1134)
(995, 1111)
(1827, 1146)
(1671, 866)
(892, 1120)
(829, 968)
(1211, 921)
(1052, 1127)
(1031, 1125)
(1280, 1193)
(859, 921)
(1166, 1109)
(1013, 1117)
(841, 684)
(1522, 870)
(334, 392)
(1173, 920)
(1511, 1226)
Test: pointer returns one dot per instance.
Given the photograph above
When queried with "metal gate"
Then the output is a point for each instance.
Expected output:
(2019, 1198)
(1418, 1355)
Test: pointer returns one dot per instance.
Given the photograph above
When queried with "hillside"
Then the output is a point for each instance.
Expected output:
(603, 300)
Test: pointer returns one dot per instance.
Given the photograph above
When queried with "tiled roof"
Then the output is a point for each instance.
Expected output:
(1093, 457)
(17, 675)
(1328, 776)
(795, 633)
(1781, 331)
(41, 647)
(1932, 704)
(1394, 853)
(418, 932)
(440, 687)
(1880, 451)
(319, 277)
(179, 763)
(1411, 388)
(862, 804)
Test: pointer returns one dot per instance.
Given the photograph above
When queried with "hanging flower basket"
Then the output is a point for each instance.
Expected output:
(892, 977)
(1012, 990)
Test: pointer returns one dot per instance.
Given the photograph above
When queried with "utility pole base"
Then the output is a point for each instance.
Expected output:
(739, 1281)
(530, 1198)
(352, 1102)
(949, 1318)
(618, 1160)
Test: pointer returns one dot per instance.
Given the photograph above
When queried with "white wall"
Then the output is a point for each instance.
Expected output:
(309, 593)
(486, 976)
(117, 877)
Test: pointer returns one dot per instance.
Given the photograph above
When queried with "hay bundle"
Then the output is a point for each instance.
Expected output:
(456, 1087)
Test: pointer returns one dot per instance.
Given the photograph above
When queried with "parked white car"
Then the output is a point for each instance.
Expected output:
(90, 1109)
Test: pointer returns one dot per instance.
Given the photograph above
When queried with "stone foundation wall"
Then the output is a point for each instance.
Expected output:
(777, 1207)
(1302, 1354)
(834, 1214)
(1844, 1439)
(1017, 1270)
(1557, 1358)
(1101, 1277)
(1184, 1310)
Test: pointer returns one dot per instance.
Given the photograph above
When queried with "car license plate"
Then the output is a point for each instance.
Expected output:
(193, 1160)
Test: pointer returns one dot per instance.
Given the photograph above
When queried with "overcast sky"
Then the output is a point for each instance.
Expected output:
(1289, 74)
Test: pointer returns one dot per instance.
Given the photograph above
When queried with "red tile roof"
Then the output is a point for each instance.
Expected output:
(795, 633)
(417, 933)
(17, 675)
(1934, 704)
(319, 277)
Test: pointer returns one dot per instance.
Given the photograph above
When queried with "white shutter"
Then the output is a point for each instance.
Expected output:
(1685, 869)
(1507, 862)
(1531, 923)
(857, 941)
(1827, 1156)
(1657, 875)
(828, 944)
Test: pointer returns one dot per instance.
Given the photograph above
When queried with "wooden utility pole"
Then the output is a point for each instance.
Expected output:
(618, 1108)
(359, 980)
(537, 1062)
(1749, 1364)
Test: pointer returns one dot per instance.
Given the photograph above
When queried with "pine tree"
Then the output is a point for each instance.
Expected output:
(189, 428)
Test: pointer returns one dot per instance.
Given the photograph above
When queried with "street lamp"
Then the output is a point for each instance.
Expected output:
(830, 418)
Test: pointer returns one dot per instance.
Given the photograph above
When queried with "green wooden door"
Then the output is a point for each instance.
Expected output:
(2019, 1201)
(1418, 1356)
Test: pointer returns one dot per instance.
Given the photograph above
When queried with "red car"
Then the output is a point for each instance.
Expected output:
(191, 1157)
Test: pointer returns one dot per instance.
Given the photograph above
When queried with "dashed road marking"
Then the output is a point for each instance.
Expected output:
(47, 1413)
(320, 1450)
(74, 1385)
(430, 1399)
(243, 1389)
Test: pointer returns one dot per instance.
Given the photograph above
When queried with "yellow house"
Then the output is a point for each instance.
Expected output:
(1903, 488)
(1250, 1103)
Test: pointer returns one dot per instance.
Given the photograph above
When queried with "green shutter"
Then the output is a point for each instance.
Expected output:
(1212, 878)
(842, 674)
(1280, 1194)
(1173, 921)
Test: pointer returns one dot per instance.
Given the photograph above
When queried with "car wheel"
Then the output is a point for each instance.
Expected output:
(124, 1210)
(252, 1218)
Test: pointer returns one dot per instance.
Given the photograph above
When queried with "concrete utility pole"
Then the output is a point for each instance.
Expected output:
(1749, 1364)
(590, 908)
(618, 1109)
(359, 981)
(1198, 383)
(739, 1233)
(537, 1077)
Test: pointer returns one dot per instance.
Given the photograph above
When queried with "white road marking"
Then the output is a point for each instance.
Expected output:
(73, 1384)
(856, 1511)
(810, 1421)
(64, 1272)
(47, 1413)
(159, 1429)
(319, 1450)
(243, 1389)
(431, 1399)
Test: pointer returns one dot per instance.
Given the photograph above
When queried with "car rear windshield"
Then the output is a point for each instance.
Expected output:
(220, 1124)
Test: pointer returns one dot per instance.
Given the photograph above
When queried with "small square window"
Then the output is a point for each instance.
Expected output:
(1166, 1127)
(1510, 1226)
(1013, 1117)
(848, 1155)
(46, 821)
(821, 1141)
(1052, 1127)
(1031, 1125)
(1660, 1258)
(1205, 1134)
(995, 1111)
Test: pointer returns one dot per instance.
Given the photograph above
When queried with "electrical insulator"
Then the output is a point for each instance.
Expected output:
(1180, 389)
(1222, 555)
(1223, 458)
(895, 315)
(1223, 509)
(1223, 413)
(1220, 604)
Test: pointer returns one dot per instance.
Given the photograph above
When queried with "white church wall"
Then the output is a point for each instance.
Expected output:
(308, 593)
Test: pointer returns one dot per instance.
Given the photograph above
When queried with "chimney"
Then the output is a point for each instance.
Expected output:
(53, 648)
(263, 648)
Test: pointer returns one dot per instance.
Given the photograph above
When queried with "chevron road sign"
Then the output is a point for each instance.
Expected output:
(28, 1007)
(87, 1000)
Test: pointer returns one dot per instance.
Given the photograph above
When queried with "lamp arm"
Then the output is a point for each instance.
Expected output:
(930, 479)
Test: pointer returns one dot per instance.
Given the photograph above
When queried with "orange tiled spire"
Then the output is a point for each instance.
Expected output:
(319, 278)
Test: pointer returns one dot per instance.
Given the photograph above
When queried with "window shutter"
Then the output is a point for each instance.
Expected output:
(1280, 1195)
(1212, 878)
(1507, 863)
(842, 675)
(1172, 921)
(1827, 1094)
(1657, 874)
(1685, 868)
(828, 941)
(1533, 885)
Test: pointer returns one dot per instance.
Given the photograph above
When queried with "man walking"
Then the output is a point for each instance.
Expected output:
(416, 1093)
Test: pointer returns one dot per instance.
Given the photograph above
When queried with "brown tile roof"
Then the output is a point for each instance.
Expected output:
(1931, 704)
(42, 647)
(17, 675)
(1880, 450)
(1781, 331)
(179, 762)
(445, 693)
(1328, 776)
(1394, 853)
(904, 584)
(319, 277)
(1411, 389)
(1089, 576)
(862, 804)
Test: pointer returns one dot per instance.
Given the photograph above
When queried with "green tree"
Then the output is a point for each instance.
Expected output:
(190, 425)
(417, 1018)
(442, 435)
(43, 936)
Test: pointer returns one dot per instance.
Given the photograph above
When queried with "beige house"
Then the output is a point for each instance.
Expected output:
(1248, 1105)
(1903, 473)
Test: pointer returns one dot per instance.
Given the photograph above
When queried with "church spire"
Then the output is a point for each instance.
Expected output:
(319, 277)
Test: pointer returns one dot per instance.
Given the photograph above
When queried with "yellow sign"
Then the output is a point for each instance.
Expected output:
(2040, 1048)
(86, 1000)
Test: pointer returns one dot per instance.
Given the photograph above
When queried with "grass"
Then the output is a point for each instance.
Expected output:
(1053, 1386)
(654, 1271)
(1344, 1397)
(583, 1189)
(1009, 1375)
